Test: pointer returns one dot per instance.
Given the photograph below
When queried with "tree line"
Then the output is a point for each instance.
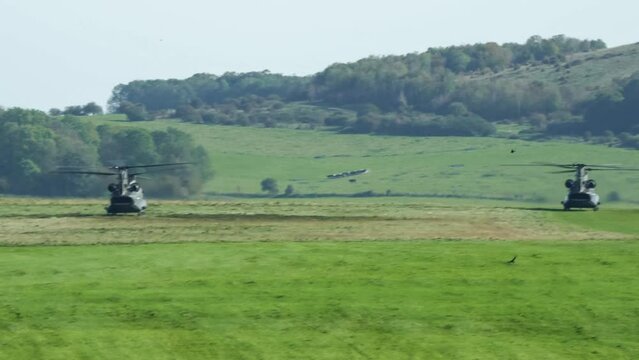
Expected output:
(78, 110)
(34, 144)
(612, 116)
(415, 88)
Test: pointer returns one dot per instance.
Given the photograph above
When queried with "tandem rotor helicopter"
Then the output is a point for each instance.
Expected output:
(126, 194)
(581, 189)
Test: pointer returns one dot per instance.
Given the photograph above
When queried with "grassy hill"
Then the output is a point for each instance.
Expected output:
(456, 90)
(433, 166)
(589, 71)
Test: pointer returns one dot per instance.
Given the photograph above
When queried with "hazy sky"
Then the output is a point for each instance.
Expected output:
(69, 52)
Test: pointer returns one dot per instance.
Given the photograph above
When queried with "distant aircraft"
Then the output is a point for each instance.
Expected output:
(347, 174)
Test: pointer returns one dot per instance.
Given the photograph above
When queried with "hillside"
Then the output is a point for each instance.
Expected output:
(556, 86)
(588, 72)
(438, 123)
(432, 166)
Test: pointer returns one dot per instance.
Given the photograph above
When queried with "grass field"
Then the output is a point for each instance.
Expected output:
(438, 166)
(70, 222)
(381, 278)
(385, 277)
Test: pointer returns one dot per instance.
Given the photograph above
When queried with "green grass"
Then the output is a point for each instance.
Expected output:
(72, 222)
(437, 166)
(622, 221)
(379, 278)
(327, 300)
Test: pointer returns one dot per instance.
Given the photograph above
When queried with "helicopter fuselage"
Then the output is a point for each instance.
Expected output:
(127, 196)
(581, 192)
(129, 202)
(584, 200)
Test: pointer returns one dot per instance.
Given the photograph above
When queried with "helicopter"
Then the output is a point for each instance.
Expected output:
(581, 189)
(127, 195)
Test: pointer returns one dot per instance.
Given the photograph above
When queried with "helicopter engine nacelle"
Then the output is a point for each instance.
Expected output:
(569, 183)
(134, 187)
(112, 187)
(591, 184)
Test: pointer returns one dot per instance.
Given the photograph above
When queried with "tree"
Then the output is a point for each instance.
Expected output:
(75, 110)
(128, 146)
(78, 110)
(289, 190)
(92, 109)
(269, 185)
(133, 112)
(33, 144)
(189, 114)
(457, 109)
(615, 108)
(457, 60)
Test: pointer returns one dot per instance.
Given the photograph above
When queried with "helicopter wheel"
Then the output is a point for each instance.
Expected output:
(596, 208)
(566, 208)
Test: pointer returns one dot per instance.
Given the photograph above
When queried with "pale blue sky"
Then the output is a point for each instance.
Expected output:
(69, 52)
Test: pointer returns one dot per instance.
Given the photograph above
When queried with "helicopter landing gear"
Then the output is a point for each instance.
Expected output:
(596, 208)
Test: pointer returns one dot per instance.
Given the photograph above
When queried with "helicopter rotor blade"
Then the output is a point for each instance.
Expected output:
(573, 166)
(543, 164)
(83, 172)
(152, 165)
(555, 164)
(612, 169)
(605, 166)
(139, 175)
(562, 172)
(157, 170)
(565, 166)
